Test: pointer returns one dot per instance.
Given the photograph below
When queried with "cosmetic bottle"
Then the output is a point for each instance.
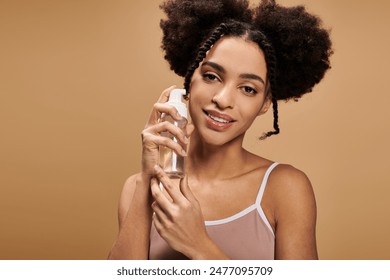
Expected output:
(171, 162)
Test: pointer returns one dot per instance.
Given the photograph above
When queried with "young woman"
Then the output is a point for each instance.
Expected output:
(237, 63)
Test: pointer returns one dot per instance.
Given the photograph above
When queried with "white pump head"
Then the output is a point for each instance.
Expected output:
(175, 100)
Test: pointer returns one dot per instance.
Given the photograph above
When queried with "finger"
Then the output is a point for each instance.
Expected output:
(166, 126)
(152, 141)
(164, 97)
(159, 212)
(156, 114)
(157, 222)
(157, 191)
(186, 191)
(162, 108)
(160, 199)
(172, 189)
(168, 110)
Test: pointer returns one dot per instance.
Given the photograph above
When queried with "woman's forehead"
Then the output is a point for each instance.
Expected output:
(238, 54)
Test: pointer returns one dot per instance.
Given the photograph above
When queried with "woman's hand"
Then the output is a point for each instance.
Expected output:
(178, 218)
(151, 138)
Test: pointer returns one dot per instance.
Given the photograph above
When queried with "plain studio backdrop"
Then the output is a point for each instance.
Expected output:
(78, 80)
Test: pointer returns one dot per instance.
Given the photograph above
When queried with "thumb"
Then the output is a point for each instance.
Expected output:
(186, 191)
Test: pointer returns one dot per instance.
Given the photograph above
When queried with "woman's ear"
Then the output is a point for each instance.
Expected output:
(267, 103)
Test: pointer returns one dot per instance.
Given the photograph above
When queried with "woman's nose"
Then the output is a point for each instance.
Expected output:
(224, 98)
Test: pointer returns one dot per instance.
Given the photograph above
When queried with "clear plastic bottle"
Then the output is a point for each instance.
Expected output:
(171, 162)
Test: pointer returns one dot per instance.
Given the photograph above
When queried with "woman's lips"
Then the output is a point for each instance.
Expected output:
(218, 121)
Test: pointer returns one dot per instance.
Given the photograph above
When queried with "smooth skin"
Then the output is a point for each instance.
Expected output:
(231, 83)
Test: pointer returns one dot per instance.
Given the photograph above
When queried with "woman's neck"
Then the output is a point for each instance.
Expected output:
(215, 162)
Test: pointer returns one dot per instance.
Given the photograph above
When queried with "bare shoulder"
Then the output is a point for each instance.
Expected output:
(289, 182)
(291, 194)
(126, 196)
(287, 173)
(292, 200)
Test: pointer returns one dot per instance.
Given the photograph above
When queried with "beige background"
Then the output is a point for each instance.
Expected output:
(78, 79)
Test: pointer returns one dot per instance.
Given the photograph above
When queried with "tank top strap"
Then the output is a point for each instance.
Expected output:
(264, 182)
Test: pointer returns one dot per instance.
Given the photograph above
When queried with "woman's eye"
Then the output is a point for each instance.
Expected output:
(210, 77)
(249, 90)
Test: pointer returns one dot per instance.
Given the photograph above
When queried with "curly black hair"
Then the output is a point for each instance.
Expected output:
(296, 46)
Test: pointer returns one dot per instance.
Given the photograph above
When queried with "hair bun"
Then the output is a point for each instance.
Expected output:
(189, 23)
(302, 47)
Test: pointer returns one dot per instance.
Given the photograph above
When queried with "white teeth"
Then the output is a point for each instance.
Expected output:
(218, 119)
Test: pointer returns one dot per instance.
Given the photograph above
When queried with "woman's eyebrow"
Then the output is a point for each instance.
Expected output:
(220, 68)
(214, 65)
(252, 77)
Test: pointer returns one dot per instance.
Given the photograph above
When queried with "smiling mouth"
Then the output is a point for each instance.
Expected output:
(220, 118)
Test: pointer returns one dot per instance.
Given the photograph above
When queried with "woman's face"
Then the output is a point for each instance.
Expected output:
(228, 90)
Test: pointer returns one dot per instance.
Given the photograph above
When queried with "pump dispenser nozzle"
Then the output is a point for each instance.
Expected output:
(175, 100)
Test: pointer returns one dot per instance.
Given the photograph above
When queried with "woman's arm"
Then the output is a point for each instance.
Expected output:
(135, 213)
(135, 216)
(294, 214)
